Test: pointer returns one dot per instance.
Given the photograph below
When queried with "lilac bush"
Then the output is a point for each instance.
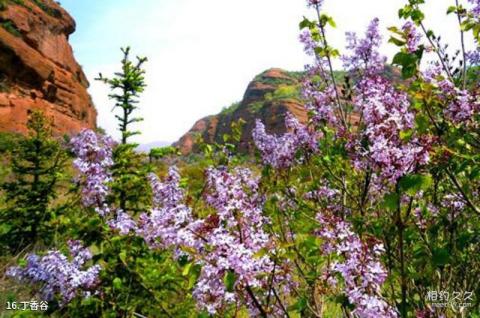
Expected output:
(224, 244)
(360, 267)
(57, 275)
(280, 151)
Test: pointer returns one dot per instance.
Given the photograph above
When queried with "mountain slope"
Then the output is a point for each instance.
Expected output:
(268, 97)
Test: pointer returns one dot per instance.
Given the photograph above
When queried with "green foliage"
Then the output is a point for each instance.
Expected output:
(230, 109)
(161, 152)
(126, 86)
(11, 28)
(4, 3)
(8, 142)
(409, 62)
(37, 166)
(129, 170)
(47, 9)
(284, 92)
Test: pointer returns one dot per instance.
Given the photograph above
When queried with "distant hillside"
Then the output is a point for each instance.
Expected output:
(268, 97)
(156, 144)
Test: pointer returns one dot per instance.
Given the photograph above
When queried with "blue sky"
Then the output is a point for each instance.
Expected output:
(202, 54)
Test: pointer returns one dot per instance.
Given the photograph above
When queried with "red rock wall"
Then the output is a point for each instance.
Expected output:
(38, 69)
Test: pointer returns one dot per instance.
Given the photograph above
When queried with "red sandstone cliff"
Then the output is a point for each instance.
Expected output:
(38, 69)
(268, 97)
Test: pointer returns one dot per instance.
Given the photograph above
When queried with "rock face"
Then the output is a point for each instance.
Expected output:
(38, 69)
(268, 97)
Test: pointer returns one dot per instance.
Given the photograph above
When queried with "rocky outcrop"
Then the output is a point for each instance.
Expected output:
(38, 69)
(268, 97)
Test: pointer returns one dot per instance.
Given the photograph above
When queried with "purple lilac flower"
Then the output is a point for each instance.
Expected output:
(94, 158)
(359, 266)
(308, 42)
(315, 3)
(235, 235)
(365, 55)
(227, 241)
(475, 10)
(279, 152)
(331, 197)
(473, 57)
(455, 204)
(123, 223)
(59, 276)
(166, 224)
(386, 114)
(460, 105)
(321, 103)
(412, 35)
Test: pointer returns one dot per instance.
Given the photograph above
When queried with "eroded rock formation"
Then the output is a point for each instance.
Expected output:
(38, 69)
(268, 97)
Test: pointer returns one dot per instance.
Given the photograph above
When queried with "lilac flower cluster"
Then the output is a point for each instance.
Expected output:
(234, 241)
(386, 114)
(330, 197)
(123, 223)
(358, 265)
(320, 103)
(365, 56)
(412, 36)
(473, 57)
(308, 42)
(279, 152)
(57, 275)
(166, 225)
(461, 105)
(227, 241)
(94, 158)
(475, 10)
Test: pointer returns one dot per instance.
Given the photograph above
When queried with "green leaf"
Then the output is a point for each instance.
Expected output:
(186, 269)
(117, 283)
(409, 71)
(123, 256)
(403, 59)
(421, 123)
(417, 16)
(229, 281)
(5, 228)
(390, 201)
(412, 184)
(306, 24)
(440, 256)
(300, 305)
(451, 9)
(396, 41)
(406, 135)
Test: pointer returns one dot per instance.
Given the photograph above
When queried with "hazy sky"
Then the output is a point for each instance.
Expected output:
(202, 54)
